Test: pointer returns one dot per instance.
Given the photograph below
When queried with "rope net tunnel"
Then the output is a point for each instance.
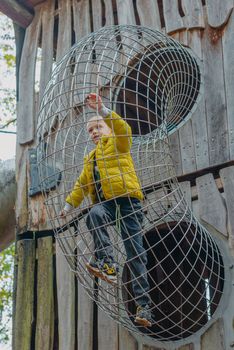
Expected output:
(161, 253)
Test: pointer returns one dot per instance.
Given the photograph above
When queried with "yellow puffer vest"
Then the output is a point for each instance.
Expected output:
(115, 164)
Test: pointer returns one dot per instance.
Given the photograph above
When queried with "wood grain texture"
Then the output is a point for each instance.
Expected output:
(64, 29)
(125, 12)
(213, 338)
(212, 209)
(173, 20)
(187, 347)
(198, 118)
(228, 58)
(126, 338)
(214, 92)
(85, 320)
(102, 13)
(227, 177)
(24, 313)
(46, 45)
(21, 204)
(81, 18)
(107, 340)
(148, 347)
(148, 12)
(186, 190)
(66, 302)
(175, 152)
(194, 16)
(188, 157)
(218, 12)
(45, 297)
(25, 113)
(18, 13)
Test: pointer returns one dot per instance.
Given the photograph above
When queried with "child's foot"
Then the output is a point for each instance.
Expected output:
(105, 269)
(143, 316)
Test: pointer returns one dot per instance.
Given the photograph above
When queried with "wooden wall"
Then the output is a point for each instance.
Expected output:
(52, 316)
(54, 312)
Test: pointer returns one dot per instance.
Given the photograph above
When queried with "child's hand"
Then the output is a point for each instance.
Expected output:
(63, 214)
(94, 101)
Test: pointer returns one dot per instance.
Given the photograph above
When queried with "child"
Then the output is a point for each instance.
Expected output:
(109, 177)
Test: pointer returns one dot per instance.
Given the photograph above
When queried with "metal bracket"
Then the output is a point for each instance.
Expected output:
(51, 176)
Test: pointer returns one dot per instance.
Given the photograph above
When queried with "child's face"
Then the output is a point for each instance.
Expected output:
(96, 128)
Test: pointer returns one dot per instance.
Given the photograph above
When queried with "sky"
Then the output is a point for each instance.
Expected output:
(7, 147)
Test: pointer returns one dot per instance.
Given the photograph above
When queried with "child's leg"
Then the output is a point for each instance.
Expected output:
(131, 223)
(98, 217)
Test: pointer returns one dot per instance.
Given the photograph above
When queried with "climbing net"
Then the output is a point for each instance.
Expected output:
(160, 251)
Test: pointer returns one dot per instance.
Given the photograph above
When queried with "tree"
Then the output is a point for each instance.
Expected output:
(6, 287)
(7, 122)
(7, 73)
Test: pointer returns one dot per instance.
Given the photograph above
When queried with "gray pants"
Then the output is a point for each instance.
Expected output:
(103, 214)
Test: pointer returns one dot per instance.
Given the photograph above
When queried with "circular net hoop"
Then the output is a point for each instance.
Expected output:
(153, 83)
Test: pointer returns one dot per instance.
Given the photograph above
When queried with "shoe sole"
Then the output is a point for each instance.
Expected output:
(97, 273)
(143, 322)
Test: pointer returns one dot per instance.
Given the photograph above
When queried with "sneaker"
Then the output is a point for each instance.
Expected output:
(143, 316)
(105, 269)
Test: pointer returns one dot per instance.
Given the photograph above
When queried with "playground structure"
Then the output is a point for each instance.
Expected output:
(201, 149)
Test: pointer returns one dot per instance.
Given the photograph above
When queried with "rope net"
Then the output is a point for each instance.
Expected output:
(129, 235)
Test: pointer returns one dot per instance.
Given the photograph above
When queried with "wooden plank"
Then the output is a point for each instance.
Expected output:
(228, 59)
(188, 158)
(25, 113)
(227, 177)
(66, 302)
(213, 338)
(218, 12)
(102, 13)
(175, 152)
(81, 18)
(186, 190)
(24, 316)
(214, 91)
(109, 12)
(85, 320)
(195, 208)
(64, 30)
(218, 183)
(194, 16)
(107, 340)
(149, 13)
(7, 203)
(211, 204)
(125, 12)
(126, 339)
(97, 14)
(15, 11)
(199, 125)
(45, 299)
(173, 20)
(148, 347)
(187, 347)
(21, 204)
(47, 44)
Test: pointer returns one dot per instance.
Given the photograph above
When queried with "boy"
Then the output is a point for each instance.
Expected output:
(109, 177)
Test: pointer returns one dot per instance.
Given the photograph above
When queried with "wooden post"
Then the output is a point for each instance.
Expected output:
(24, 316)
(45, 297)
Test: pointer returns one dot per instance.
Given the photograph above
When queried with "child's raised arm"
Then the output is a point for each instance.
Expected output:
(120, 127)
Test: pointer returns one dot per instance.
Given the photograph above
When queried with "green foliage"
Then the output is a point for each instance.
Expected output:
(6, 287)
